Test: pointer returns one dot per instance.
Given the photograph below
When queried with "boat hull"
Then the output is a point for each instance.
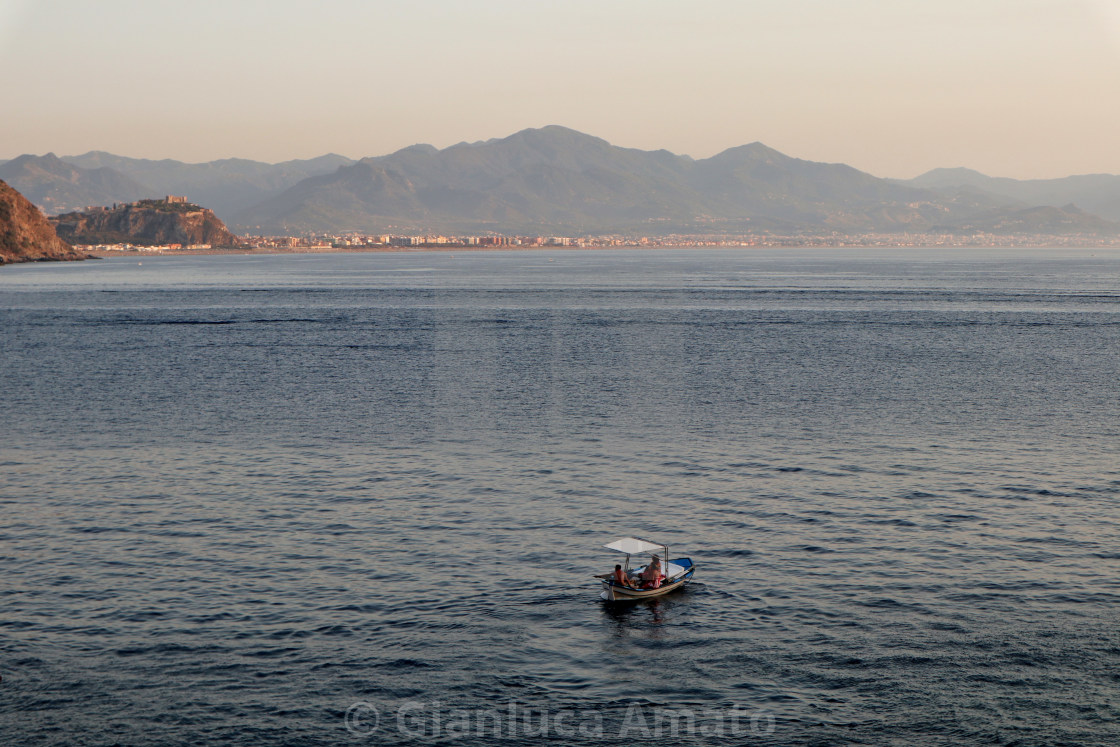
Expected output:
(613, 592)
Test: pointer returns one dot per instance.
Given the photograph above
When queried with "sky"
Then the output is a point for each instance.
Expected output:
(1019, 88)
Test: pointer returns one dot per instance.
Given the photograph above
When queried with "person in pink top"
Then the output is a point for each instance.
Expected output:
(651, 576)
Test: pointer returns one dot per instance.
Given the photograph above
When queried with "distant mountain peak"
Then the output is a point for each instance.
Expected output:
(954, 171)
(549, 136)
(556, 133)
(420, 149)
(754, 151)
(48, 161)
(952, 177)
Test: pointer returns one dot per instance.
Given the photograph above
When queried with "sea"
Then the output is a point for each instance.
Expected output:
(345, 499)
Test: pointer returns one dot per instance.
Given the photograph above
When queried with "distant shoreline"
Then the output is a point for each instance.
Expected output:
(353, 250)
(1052, 243)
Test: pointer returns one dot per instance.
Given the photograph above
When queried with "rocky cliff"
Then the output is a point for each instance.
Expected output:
(27, 236)
(146, 223)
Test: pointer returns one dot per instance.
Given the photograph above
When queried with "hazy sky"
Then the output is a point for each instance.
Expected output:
(1023, 88)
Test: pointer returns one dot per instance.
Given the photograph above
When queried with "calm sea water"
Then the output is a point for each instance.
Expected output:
(358, 499)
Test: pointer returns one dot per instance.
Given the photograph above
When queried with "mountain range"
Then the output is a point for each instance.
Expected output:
(59, 185)
(555, 180)
(1095, 193)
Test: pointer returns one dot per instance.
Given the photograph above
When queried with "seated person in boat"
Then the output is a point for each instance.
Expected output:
(651, 576)
(620, 578)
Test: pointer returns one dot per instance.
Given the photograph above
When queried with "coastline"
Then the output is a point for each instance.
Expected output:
(987, 242)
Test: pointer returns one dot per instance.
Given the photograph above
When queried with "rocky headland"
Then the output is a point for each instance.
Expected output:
(172, 220)
(25, 233)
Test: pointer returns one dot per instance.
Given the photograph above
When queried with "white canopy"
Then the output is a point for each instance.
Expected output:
(633, 546)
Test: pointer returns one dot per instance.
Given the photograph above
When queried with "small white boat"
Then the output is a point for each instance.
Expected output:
(675, 573)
